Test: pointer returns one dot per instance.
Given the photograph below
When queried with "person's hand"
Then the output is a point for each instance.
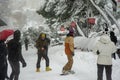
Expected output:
(73, 54)
(24, 64)
(42, 49)
(98, 52)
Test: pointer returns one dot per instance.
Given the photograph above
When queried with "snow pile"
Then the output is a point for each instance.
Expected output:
(85, 43)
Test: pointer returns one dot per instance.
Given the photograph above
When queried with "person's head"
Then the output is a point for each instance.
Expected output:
(112, 33)
(17, 35)
(43, 36)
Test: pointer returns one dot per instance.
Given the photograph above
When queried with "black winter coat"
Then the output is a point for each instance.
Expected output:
(3, 54)
(14, 51)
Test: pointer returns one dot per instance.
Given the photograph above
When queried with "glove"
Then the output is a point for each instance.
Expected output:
(42, 49)
(98, 52)
(24, 64)
(73, 54)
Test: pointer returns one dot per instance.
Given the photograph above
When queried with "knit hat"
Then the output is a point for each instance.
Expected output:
(43, 35)
(17, 35)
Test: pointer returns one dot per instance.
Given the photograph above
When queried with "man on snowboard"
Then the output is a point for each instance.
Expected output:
(69, 51)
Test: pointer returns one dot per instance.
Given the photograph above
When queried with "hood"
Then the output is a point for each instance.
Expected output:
(17, 35)
(105, 39)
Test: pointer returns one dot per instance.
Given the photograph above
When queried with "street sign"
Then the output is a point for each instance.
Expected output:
(91, 21)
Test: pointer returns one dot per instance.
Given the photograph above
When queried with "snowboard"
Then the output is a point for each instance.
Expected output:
(70, 72)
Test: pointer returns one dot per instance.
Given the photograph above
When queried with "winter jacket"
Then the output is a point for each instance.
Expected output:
(3, 53)
(69, 45)
(15, 48)
(42, 43)
(105, 47)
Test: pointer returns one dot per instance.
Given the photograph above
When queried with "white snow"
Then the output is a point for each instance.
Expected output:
(84, 65)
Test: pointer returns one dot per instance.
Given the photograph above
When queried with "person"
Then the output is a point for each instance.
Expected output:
(3, 65)
(114, 40)
(104, 49)
(15, 55)
(42, 45)
(69, 51)
(26, 43)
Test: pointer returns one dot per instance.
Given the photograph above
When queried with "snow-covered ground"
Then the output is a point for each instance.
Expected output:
(84, 66)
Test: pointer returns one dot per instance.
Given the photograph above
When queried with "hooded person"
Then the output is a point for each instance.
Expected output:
(69, 51)
(113, 37)
(104, 48)
(114, 40)
(26, 41)
(15, 55)
(42, 47)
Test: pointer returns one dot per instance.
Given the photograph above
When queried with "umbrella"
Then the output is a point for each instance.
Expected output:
(2, 23)
(5, 34)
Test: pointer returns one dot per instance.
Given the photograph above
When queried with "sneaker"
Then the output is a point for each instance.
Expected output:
(38, 70)
(48, 69)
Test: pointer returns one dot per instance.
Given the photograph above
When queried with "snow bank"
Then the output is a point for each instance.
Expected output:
(85, 43)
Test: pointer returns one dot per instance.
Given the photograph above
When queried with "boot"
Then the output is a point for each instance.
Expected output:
(48, 69)
(65, 72)
(38, 70)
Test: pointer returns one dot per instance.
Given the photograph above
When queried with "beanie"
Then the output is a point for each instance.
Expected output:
(43, 35)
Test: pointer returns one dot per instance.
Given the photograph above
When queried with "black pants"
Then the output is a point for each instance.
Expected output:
(2, 74)
(45, 56)
(2, 70)
(26, 47)
(15, 70)
(108, 70)
(2, 77)
(6, 69)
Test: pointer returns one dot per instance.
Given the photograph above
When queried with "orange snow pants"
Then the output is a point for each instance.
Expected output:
(69, 64)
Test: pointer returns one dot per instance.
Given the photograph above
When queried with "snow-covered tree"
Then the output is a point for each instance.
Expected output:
(61, 11)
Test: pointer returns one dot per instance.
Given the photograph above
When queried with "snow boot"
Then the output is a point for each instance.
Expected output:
(71, 72)
(38, 70)
(64, 72)
(48, 69)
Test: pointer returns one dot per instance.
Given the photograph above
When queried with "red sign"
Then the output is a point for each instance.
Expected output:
(91, 21)
(73, 24)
